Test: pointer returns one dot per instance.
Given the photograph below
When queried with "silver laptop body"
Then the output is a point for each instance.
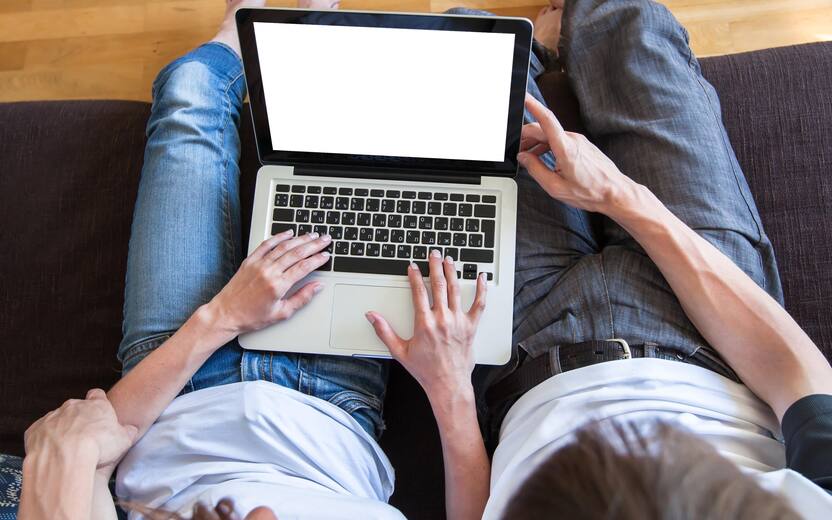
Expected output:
(372, 165)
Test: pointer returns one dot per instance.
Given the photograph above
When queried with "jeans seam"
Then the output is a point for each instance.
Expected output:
(726, 148)
(606, 292)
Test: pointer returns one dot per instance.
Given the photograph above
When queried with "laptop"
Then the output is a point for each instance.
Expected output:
(396, 134)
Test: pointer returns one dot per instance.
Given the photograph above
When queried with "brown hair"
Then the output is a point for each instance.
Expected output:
(613, 471)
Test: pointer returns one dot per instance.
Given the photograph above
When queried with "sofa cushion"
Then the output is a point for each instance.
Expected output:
(68, 178)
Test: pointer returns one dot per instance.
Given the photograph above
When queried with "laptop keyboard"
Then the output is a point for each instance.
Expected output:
(380, 231)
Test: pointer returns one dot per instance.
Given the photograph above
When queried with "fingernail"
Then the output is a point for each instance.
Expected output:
(326, 238)
(325, 254)
(521, 157)
(318, 288)
(449, 259)
(435, 253)
(313, 235)
(370, 318)
(288, 232)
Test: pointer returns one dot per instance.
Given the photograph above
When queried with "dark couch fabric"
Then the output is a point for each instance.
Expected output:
(68, 178)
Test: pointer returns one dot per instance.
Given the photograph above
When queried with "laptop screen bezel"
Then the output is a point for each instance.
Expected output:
(520, 27)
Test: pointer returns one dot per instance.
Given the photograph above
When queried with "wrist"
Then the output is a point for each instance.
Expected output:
(450, 403)
(213, 324)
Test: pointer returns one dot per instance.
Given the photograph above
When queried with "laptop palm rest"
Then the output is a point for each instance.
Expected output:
(351, 330)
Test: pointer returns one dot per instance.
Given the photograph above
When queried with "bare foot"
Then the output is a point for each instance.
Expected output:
(227, 33)
(547, 25)
(319, 4)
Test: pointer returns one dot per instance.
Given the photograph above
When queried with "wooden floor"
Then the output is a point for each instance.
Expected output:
(62, 49)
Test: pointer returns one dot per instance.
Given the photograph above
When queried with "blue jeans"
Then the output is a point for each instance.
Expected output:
(644, 103)
(185, 243)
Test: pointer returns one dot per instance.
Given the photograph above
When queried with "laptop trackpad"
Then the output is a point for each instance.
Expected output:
(351, 330)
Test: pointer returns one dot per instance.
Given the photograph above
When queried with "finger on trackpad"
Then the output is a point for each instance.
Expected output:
(351, 330)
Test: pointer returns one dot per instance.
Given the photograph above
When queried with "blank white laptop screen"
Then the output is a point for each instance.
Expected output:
(386, 92)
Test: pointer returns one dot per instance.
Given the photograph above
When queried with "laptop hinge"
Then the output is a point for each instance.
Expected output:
(393, 175)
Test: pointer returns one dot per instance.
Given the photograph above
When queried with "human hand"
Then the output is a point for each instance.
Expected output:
(440, 354)
(82, 425)
(584, 177)
(254, 297)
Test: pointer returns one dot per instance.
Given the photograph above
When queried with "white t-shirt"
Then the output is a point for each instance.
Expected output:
(259, 444)
(641, 391)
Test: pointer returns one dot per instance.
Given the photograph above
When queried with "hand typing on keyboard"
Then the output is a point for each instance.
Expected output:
(440, 354)
(254, 297)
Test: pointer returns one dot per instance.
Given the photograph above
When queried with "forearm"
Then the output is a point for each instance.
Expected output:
(467, 469)
(57, 484)
(141, 396)
(755, 335)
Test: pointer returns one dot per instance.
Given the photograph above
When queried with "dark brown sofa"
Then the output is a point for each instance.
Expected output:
(68, 178)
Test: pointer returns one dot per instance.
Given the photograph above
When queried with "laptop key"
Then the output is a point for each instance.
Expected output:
(410, 221)
(318, 216)
(440, 223)
(333, 217)
(321, 230)
(342, 203)
(403, 251)
(425, 222)
(377, 193)
(419, 207)
(460, 239)
(373, 249)
(344, 191)
(365, 234)
(327, 202)
(304, 229)
(313, 189)
(457, 197)
(296, 201)
(394, 221)
(485, 211)
(489, 199)
(408, 194)
(440, 196)
(283, 215)
(475, 240)
(434, 208)
(412, 237)
(361, 192)
(457, 224)
(449, 209)
(488, 230)
(357, 249)
(379, 220)
(342, 248)
(357, 204)
(388, 251)
(472, 197)
(397, 236)
(347, 264)
(388, 205)
(298, 188)
(382, 235)
(420, 252)
(466, 210)
(302, 216)
(373, 204)
(393, 194)
(336, 232)
(348, 218)
(428, 238)
(443, 239)
(452, 252)
(282, 188)
(330, 190)
(351, 233)
(363, 219)
(281, 199)
(483, 256)
(403, 206)
(425, 195)
(472, 225)
(280, 227)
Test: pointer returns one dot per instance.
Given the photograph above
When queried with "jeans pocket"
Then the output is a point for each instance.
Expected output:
(365, 409)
